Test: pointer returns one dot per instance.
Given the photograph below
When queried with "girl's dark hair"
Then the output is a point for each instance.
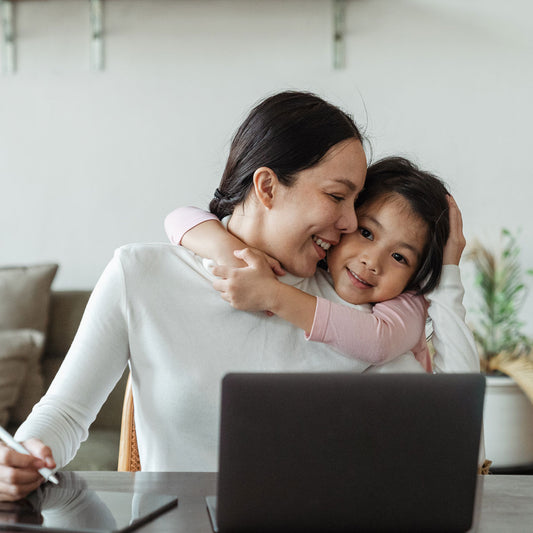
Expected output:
(427, 197)
(287, 132)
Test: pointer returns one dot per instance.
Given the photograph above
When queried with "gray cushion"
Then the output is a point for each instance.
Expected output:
(25, 304)
(25, 296)
(19, 351)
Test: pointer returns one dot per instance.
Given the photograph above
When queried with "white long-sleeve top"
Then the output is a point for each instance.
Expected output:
(154, 308)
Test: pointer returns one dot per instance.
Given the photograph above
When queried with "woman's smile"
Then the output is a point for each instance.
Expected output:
(319, 250)
(325, 245)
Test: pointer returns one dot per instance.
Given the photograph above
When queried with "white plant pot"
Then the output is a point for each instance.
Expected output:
(508, 423)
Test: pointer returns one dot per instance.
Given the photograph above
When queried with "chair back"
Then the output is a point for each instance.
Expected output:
(128, 453)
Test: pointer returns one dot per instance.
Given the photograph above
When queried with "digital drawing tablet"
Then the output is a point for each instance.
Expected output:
(348, 452)
(83, 510)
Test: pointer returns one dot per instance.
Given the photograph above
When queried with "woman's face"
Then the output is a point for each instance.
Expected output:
(311, 215)
(376, 262)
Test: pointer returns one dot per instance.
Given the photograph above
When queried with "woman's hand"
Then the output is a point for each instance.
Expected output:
(19, 472)
(456, 241)
(253, 287)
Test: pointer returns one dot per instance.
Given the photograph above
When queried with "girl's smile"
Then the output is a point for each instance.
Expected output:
(357, 280)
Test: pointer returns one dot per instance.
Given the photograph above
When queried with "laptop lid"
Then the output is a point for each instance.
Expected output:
(340, 451)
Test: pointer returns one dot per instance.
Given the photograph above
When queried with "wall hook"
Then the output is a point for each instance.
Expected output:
(339, 30)
(8, 45)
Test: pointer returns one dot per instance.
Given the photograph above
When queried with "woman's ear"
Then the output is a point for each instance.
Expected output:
(265, 184)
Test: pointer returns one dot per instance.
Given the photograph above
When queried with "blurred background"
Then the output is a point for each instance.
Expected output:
(93, 159)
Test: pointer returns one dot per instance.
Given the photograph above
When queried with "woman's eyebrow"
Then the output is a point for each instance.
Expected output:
(350, 184)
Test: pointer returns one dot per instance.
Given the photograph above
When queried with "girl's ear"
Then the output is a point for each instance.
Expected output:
(265, 185)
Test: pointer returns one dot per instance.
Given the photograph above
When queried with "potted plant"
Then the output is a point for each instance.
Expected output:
(506, 352)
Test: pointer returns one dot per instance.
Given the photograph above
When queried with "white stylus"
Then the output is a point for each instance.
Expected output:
(12, 443)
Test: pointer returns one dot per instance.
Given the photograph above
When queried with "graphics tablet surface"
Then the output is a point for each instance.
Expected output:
(57, 508)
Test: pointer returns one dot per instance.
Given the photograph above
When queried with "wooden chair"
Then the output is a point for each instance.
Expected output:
(128, 453)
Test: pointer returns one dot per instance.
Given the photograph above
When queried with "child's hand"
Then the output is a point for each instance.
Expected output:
(252, 288)
(456, 241)
(274, 263)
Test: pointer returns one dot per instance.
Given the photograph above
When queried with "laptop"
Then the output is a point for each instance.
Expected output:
(332, 452)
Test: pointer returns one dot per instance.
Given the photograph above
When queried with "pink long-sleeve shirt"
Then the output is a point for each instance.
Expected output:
(375, 334)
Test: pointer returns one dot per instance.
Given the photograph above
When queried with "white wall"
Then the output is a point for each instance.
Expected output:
(92, 160)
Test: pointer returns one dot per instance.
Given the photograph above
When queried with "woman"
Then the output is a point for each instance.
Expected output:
(295, 168)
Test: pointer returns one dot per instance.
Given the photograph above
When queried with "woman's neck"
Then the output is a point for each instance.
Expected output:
(245, 224)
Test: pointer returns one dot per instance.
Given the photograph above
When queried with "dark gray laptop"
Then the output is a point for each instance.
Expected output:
(348, 452)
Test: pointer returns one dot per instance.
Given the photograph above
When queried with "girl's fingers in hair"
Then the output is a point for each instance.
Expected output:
(456, 218)
(456, 240)
(456, 222)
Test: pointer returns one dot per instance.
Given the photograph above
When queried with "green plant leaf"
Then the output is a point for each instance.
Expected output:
(501, 292)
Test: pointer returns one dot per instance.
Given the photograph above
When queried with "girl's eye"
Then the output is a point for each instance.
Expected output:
(367, 234)
(400, 258)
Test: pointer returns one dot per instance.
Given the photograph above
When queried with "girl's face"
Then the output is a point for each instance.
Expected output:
(376, 262)
(310, 216)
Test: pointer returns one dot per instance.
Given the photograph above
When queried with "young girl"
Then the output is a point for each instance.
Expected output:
(390, 262)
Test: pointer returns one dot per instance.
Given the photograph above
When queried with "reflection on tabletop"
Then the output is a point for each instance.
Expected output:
(72, 506)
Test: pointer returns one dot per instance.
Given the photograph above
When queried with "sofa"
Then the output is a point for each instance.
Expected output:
(37, 326)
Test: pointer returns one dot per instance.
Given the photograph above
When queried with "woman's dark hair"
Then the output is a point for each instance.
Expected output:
(287, 132)
(427, 197)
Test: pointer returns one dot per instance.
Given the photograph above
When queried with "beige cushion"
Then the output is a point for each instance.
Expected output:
(19, 350)
(25, 296)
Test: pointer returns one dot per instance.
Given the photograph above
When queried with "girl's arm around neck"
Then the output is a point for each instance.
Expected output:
(256, 288)
(203, 233)
(182, 220)
(393, 327)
